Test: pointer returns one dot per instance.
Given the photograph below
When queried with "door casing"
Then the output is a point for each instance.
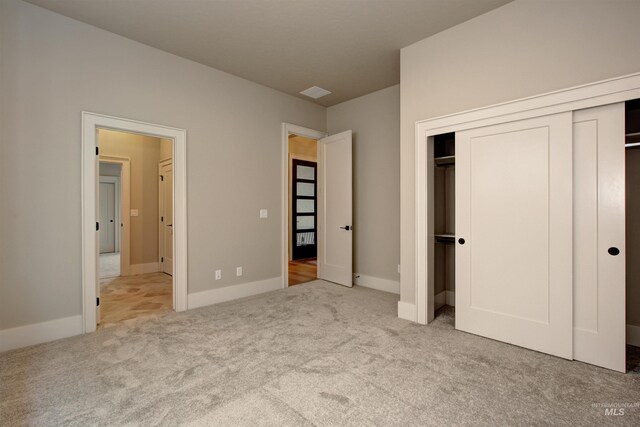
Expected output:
(288, 129)
(90, 123)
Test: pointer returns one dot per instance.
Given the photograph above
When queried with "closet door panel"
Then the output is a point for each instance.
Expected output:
(513, 210)
(599, 224)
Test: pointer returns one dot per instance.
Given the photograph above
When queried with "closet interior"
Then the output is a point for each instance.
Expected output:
(444, 220)
(632, 214)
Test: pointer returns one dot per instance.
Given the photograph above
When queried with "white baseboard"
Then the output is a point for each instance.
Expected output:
(445, 298)
(152, 267)
(377, 283)
(228, 293)
(407, 311)
(440, 299)
(450, 298)
(38, 333)
(633, 335)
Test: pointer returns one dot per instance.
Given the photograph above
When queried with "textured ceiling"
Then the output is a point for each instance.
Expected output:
(350, 47)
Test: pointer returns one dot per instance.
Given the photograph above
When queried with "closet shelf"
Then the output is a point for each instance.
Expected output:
(445, 238)
(445, 160)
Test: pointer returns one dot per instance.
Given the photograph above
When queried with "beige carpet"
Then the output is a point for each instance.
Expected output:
(313, 354)
(109, 265)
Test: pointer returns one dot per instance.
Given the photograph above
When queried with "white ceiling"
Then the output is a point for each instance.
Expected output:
(349, 47)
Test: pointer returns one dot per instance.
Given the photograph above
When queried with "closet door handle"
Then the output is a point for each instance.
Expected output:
(461, 241)
(346, 227)
(613, 251)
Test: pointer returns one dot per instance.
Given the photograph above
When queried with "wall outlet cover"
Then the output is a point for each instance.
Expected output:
(218, 274)
(134, 212)
(264, 213)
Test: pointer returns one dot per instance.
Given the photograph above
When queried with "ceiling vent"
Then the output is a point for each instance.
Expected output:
(315, 92)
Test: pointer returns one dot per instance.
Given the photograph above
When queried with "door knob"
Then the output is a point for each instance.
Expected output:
(346, 227)
(461, 241)
(110, 220)
(613, 251)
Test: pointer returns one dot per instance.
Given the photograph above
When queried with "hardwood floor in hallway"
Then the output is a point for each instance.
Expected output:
(302, 271)
(128, 297)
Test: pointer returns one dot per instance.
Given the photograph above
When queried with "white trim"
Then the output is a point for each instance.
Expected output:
(377, 283)
(633, 335)
(288, 129)
(125, 201)
(150, 267)
(440, 299)
(229, 293)
(450, 298)
(407, 311)
(90, 123)
(38, 333)
(445, 298)
(614, 90)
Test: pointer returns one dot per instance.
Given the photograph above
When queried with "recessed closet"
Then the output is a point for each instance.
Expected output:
(444, 219)
(520, 215)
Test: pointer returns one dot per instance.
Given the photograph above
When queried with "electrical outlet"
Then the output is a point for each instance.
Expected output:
(398, 268)
(238, 271)
(264, 213)
(218, 274)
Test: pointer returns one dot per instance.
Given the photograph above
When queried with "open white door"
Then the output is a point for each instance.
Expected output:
(513, 231)
(166, 217)
(599, 236)
(335, 227)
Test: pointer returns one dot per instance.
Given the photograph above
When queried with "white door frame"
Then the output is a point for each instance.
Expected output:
(115, 180)
(124, 203)
(91, 122)
(288, 129)
(609, 91)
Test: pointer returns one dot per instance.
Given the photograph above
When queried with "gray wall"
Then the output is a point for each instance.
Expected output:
(51, 69)
(375, 120)
(524, 48)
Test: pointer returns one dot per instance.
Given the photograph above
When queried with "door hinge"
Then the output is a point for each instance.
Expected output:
(98, 302)
(97, 151)
(97, 226)
(161, 178)
(161, 259)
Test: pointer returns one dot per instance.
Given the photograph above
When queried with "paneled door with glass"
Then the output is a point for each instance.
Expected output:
(304, 209)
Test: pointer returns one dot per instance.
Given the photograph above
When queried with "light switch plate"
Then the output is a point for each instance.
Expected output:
(134, 212)
(264, 213)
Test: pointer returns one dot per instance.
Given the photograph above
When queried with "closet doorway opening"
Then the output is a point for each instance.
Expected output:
(632, 232)
(444, 174)
(302, 218)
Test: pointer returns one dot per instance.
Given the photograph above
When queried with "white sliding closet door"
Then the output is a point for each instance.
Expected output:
(599, 236)
(514, 231)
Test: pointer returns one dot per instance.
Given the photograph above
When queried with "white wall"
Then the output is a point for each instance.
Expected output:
(51, 69)
(375, 121)
(524, 48)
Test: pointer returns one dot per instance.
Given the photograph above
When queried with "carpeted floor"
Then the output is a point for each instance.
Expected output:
(313, 354)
